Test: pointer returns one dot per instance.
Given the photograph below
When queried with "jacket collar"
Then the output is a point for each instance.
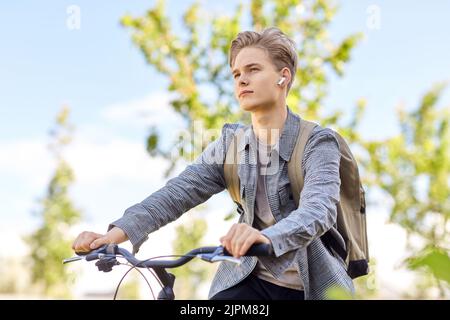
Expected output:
(287, 140)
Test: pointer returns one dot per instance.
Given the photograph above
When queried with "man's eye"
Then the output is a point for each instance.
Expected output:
(254, 69)
(236, 75)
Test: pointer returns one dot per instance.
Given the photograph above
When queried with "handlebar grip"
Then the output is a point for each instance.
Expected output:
(258, 249)
(91, 256)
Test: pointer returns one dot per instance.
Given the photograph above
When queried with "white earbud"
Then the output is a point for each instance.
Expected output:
(281, 81)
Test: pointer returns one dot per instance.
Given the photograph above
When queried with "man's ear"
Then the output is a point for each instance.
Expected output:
(285, 72)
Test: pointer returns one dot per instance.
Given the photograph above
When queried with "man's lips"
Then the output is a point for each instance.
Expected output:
(244, 92)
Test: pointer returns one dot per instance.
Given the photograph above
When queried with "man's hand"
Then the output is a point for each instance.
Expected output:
(240, 238)
(87, 240)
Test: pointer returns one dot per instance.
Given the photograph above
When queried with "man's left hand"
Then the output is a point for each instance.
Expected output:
(240, 238)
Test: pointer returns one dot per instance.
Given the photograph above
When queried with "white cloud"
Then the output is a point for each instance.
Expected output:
(153, 109)
(118, 158)
(25, 160)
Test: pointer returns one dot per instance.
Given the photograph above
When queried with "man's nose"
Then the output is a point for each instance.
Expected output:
(243, 81)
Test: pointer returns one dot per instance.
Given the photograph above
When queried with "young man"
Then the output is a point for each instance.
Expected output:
(263, 66)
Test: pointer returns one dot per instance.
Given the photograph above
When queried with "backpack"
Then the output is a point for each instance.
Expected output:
(351, 209)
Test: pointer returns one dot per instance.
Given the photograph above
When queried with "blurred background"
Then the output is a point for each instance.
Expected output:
(95, 97)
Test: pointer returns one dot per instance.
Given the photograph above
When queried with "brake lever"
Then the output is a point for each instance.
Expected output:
(92, 255)
(72, 259)
(87, 257)
(218, 255)
(226, 258)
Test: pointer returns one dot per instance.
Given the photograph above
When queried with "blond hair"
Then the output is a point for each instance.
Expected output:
(280, 49)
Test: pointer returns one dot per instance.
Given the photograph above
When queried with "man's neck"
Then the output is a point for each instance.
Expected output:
(268, 124)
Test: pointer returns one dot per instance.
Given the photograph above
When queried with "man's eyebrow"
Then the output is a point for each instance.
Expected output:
(247, 66)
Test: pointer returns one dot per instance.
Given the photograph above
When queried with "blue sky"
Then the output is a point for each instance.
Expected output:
(44, 64)
(103, 77)
(395, 64)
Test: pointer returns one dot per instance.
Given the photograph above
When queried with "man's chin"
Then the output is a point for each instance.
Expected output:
(248, 106)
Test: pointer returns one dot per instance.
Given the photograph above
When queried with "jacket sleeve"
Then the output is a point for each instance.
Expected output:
(317, 209)
(196, 184)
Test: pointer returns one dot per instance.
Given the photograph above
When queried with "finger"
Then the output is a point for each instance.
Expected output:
(82, 245)
(78, 246)
(263, 239)
(83, 240)
(99, 242)
(227, 243)
(251, 239)
(240, 239)
(78, 242)
(227, 239)
(74, 244)
(223, 241)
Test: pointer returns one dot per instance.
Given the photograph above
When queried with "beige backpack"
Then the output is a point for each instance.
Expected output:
(351, 210)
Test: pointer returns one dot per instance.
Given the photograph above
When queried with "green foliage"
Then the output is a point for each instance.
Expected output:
(152, 142)
(435, 260)
(414, 169)
(50, 243)
(365, 287)
(129, 290)
(188, 277)
(338, 293)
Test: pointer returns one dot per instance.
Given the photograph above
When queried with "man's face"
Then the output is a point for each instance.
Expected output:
(253, 71)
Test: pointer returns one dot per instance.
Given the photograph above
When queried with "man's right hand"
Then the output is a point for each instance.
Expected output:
(87, 240)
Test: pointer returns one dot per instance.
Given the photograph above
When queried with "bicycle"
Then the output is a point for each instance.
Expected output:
(107, 258)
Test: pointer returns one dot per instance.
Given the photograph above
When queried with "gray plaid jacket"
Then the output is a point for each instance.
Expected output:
(294, 236)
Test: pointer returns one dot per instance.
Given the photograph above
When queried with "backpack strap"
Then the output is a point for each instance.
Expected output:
(295, 171)
(230, 167)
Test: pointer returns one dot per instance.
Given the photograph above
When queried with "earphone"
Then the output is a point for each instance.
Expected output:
(281, 81)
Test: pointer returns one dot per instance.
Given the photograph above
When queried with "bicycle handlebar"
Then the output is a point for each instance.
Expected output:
(107, 254)
(258, 250)
(210, 254)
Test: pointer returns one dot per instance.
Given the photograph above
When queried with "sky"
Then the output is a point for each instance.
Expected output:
(115, 97)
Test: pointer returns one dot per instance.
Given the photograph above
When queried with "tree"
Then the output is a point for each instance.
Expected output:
(413, 168)
(197, 62)
(50, 243)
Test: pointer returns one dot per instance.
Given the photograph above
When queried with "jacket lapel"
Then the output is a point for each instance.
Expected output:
(247, 174)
